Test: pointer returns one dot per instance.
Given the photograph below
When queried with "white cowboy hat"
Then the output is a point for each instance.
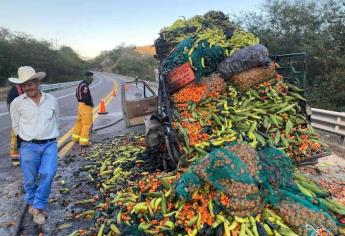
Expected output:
(26, 73)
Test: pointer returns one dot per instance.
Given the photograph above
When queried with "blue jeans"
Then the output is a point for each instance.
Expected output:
(38, 163)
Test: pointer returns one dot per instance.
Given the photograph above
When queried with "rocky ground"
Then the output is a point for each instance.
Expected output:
(71, 185)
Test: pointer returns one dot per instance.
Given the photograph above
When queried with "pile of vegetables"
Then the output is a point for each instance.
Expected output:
(331, 179)
(205, 50)
(138, 198)
(145, 203)
(235, 104)
(203, 41)
(267, 115)
(184, 28)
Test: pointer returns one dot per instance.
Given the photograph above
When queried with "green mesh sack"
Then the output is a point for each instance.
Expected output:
(301, 214)
(187, 185)
(276, 168)
(230, 176)
(221, 166)
(248, 155)
(204, 59)
(279, 191)
(246, 181)
(177, 57)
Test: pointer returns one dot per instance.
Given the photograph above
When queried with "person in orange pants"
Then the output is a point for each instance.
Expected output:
(14, 92)
(83, 124)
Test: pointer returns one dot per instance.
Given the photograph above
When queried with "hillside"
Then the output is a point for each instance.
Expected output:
(146, 50)
(128, 61)
(18, 49)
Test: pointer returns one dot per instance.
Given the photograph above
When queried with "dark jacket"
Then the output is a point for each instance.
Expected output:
(14, 92)
(83, 93)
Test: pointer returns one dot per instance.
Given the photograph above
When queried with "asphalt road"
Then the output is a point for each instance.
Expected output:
(102, 85)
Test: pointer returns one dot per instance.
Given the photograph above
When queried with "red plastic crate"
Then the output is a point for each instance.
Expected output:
(180, 77)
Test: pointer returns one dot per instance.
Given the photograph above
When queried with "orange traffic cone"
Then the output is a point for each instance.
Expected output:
(102, 108)
(114, 93)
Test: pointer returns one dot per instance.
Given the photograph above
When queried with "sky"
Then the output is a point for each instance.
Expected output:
(90, 26)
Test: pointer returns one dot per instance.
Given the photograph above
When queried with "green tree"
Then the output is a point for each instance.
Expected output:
(314, 27)
(18, 49)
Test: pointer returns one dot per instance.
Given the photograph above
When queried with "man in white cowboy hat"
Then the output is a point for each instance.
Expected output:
(34, 116)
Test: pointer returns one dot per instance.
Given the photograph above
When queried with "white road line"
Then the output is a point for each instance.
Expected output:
(100, 81)
(3, 114)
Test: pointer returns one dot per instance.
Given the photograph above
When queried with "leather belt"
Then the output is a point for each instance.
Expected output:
(43, 141)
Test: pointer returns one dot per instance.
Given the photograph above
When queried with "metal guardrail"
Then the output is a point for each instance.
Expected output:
(330, 121)
(58, 86)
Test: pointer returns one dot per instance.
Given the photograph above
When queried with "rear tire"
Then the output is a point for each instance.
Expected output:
(173, 151)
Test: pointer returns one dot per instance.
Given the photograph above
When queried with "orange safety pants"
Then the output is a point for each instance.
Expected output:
(13, 146)
(83, 124)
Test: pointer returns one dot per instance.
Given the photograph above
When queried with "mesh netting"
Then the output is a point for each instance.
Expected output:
(215, 84)
(300, 213)
(204, 59)
(223, 165)
(280, 191)
(276, 168)
(228, 173)
(247, 79)
(187, 185)
(177, 57)
(246, 181)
